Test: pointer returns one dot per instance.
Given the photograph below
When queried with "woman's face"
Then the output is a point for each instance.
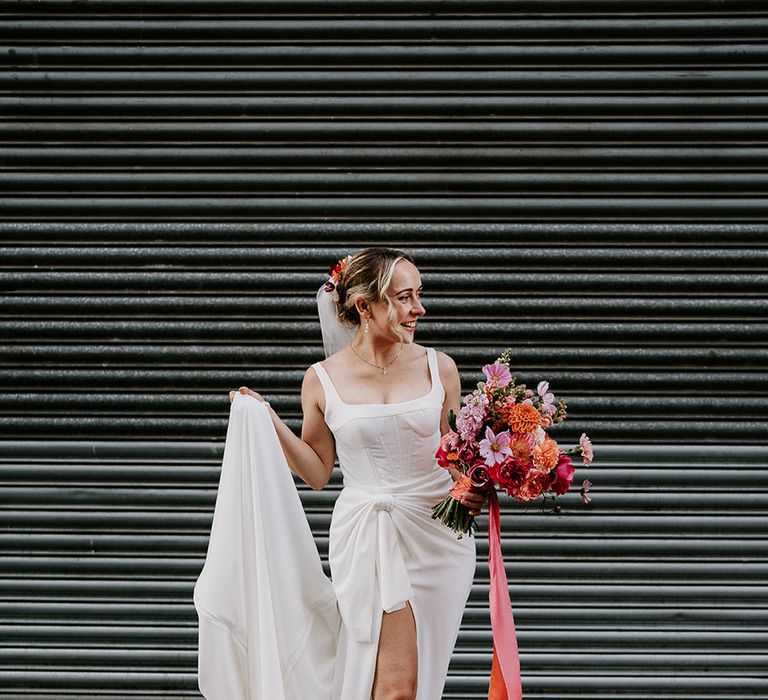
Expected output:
(405, 293)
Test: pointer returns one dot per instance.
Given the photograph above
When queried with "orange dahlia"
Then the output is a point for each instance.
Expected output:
(534, 485)
(521, 450)
(523, 418)
(545, 455)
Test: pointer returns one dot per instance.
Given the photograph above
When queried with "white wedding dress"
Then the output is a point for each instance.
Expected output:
(272, 626)
(385, 548)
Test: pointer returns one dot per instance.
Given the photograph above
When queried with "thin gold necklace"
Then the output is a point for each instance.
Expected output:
(384, 368)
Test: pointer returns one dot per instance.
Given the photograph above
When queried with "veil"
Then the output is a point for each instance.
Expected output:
(335, 334)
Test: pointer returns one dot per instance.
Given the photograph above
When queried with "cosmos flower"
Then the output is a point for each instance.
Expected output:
(546, 396)
(495, 448)
(497, 375)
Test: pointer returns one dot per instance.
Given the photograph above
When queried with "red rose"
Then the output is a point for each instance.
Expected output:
(509, 474)
(467, 452)
(479, 475)
(562, 475)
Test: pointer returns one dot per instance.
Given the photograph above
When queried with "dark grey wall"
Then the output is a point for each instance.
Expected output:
(583, 181)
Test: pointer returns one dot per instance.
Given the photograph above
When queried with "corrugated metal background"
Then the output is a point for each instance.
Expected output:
(584, 181)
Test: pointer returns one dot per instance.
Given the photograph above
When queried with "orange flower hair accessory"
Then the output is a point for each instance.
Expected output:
(335, 274)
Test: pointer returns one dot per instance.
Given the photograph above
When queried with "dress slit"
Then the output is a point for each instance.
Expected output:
(409, 604)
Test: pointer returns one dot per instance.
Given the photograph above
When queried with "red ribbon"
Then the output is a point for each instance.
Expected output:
(505, 672)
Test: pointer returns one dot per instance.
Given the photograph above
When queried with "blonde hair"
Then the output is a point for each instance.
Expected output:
(368, 274)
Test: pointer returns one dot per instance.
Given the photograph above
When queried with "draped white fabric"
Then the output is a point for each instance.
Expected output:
(268, 617)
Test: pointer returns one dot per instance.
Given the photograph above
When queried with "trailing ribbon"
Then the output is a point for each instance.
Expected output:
(505, 672)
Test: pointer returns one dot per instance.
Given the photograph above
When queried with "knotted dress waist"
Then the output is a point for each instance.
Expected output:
(370, 526)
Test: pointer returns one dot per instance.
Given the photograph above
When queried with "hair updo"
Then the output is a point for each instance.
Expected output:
(368, 274)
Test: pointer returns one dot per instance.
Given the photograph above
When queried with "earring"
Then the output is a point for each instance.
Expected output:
(366, 325)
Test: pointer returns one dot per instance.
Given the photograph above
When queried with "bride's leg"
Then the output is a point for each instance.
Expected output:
(397, 661)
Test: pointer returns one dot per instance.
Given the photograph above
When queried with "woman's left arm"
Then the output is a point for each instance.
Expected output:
(449, 375)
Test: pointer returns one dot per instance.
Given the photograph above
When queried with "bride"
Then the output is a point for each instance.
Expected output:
(379, 401)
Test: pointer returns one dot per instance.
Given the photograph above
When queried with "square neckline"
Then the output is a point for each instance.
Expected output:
(395, 403)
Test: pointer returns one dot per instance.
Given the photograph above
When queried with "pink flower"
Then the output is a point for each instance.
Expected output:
(449, 441)
(586, 449)
(497, 374)
(479, 475)
(495, 448)
(584, 488)
(563, 475)
(546, 396)
(471, 416)
(468, 424)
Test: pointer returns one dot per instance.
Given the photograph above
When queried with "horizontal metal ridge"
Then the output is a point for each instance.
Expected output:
(40, 383)
(145, 463)
(667, 53)
(622, 332)
(666, 183)
(136, 623)
(157, 560)
(316, 81)
(403, 159)
(128, 645)
(338, 236)
(632, 524)
(96, 261)
(42, 307)
(510, 279)
(615, 596)
(549, 106)
(237, 358)
(544, 132)
(600, 686)
(153, 454)
(629, 208)
(300, 29)
(376, 8)
(155, 660)
(611, 430)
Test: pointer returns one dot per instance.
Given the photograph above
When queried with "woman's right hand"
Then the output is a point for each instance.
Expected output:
(245, 390)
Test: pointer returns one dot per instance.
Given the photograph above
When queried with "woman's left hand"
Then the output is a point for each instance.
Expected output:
(474, 501)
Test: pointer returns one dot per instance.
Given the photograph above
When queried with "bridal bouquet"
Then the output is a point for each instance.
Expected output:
(499, 441)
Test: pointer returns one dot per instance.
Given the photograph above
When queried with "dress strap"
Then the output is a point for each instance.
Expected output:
(437, 384)
(328, 388)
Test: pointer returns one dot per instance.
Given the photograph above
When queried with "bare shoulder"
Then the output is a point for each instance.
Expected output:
(449, 373)
(311, 388)
(310, 378)
(446, 365)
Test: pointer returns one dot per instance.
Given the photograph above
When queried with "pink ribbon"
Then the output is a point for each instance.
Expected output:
(505, 673)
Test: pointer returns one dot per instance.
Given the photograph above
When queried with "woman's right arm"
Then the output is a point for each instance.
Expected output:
(311, 456)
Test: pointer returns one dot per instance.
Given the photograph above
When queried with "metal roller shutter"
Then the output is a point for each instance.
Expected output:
(584, 181)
